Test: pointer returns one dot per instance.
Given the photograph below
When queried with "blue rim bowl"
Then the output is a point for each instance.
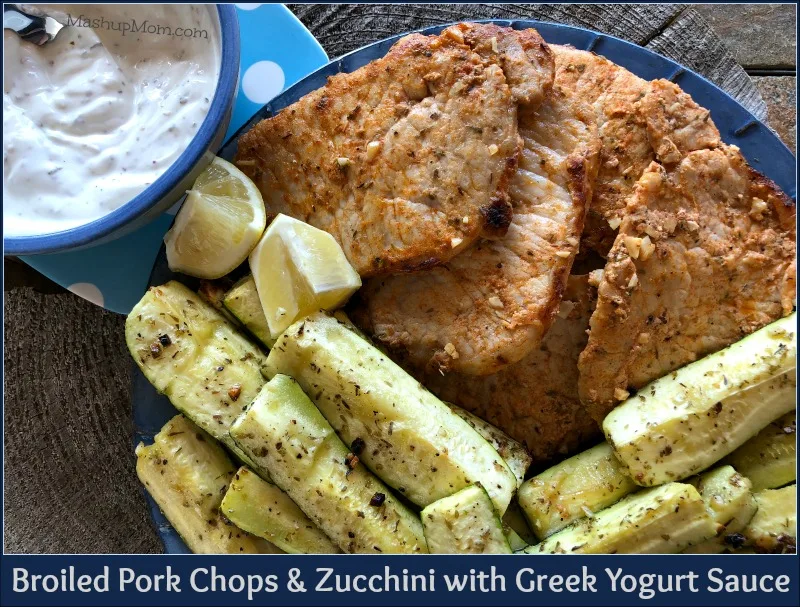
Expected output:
(171, 185)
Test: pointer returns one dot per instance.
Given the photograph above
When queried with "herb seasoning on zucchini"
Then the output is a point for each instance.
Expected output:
(773, 529)
(191, 354)
(264, 510)
(573, 489)
(187, 473)
(769, 459)
(663, 519)
(728, 497)
(284, 433)
(412, 440)
(464, 523)
(684, 422)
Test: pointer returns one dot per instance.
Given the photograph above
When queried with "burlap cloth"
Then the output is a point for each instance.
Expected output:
(70, 483)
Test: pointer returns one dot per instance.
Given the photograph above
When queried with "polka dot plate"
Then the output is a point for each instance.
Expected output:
(277, 51)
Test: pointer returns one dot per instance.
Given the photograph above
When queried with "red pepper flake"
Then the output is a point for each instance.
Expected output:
(377, 500)
(351, 460)
(235, 391)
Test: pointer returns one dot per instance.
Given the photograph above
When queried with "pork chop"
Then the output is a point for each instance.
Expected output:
(638, 122)
(491, 305)
(406, 161)
(704, 256)
(526, 59)
(535, 400)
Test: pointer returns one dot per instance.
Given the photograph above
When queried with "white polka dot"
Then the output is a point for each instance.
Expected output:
(262, 81)
(248, 6)
(88, 291)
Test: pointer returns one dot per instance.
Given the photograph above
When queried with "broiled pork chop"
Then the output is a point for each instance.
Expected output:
(638, 122)
(704, 256)
(535, 400)
(491, 305)
(406, 161)
(526, 59)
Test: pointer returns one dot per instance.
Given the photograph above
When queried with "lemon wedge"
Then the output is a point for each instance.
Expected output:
(218, 225)
(298, 270)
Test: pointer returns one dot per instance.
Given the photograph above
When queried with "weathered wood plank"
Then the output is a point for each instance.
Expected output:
(342, 28)
(758, 35)
(691, 41)
(780, 95)
(70, 482)
(17, 273)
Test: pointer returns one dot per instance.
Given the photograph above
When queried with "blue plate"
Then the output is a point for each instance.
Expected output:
(758, 143)
(276, 51)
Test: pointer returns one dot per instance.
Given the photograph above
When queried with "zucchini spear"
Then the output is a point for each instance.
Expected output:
(663, 519)
(773, 529)
(514, 453)
(515, 520)
(728, 497)
(284, 433)
(404, 434)
(242, 301)
(464, 523)
(769, 459)
(684, 422)
(573, 489)
(262, 509)
(187, 472)
(191, 354)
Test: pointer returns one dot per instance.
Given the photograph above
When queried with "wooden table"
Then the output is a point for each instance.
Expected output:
(70, 484)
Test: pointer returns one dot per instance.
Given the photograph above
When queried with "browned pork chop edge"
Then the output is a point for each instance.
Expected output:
(406, 161)
(705, 256)
(490, 306)
(638, 122)
(535, 400)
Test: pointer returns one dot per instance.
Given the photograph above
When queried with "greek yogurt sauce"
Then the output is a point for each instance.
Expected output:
(95, 116)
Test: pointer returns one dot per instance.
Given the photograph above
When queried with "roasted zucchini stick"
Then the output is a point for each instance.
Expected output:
(213, 292)
(283, 432)
(464, 523)
(242, 301)
(769, 459)
(190, 353)
(515, 519)
(573, 489)
(684, 422)
(514, 453)
(515, 541)
(262, 509)
(663, 519)
(773, 529)
(728, 497)
(187, 472)
(403, 433)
